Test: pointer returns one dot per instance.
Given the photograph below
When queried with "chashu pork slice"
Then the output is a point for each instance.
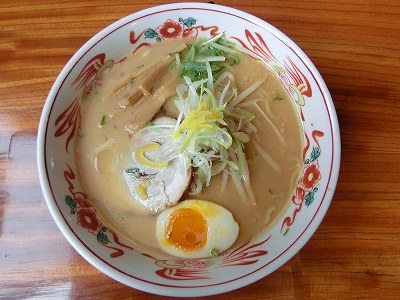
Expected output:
(156, 188)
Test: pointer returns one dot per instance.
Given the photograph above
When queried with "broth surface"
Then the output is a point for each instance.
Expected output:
(102, 150)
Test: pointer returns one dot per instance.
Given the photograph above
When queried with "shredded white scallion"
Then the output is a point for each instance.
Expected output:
(247, 92)
(225, 49)
(213, 39)
(224, 180)
(210, 79)
(269, 121)
(267, 157)
(239, 186)
(224, 76)
(223, 94)
(247, 185)
(177, 59)
(209, 59)
(213, 124)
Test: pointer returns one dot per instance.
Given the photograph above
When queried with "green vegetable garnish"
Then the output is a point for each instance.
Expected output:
(132, 171)
(277, 97)
(232, 60)
(135, 172)
(214, 252)
(102, 121)
(218, 51)
(196, 70)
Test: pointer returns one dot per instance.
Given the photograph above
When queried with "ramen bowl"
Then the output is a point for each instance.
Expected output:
(103, 246)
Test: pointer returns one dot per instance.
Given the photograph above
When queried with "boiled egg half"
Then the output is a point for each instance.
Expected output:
(196, 229)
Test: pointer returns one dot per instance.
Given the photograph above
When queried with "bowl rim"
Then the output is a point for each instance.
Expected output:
(159, 289)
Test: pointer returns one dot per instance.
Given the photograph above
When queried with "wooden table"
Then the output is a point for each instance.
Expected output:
(355, 44)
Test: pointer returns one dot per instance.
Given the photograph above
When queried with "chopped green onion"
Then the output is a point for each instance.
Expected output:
(210, 59)
(136, 172)
(102, 121)
(214, 252)
(132, 171)
(277, 97)
(218, 51)
(232, 60)
(224, 48)
(213, 39)
(192, 52)
(241, 136)
(177, 59)
(224, 41)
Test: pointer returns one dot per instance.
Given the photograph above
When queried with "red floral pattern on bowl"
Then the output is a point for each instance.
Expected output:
(170, 30)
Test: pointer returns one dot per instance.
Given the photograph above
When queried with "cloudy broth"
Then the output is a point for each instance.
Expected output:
(105, 143)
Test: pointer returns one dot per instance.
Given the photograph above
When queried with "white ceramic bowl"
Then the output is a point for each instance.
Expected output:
(101, 245)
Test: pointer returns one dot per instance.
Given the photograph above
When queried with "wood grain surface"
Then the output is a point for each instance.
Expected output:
(355, 253)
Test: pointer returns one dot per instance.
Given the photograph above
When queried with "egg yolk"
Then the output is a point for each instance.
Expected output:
(186, 230)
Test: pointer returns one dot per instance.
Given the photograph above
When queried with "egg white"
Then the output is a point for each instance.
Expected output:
(222, 229)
